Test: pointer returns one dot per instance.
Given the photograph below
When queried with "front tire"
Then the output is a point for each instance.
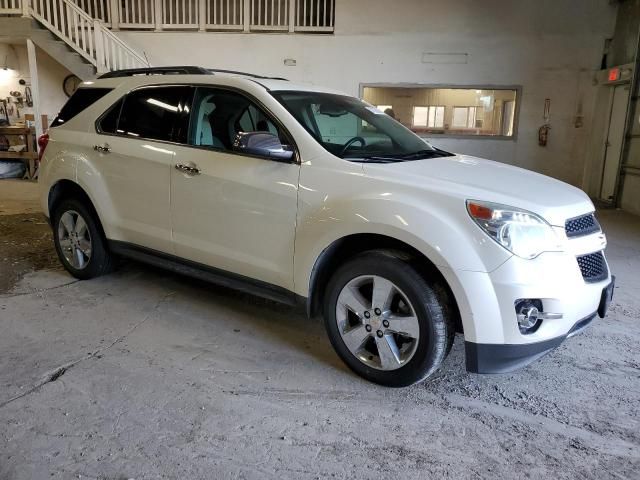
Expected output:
(79, 241)
(386, 321)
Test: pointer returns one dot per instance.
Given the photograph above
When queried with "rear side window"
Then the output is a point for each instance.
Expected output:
(158, 113)
(80, 100)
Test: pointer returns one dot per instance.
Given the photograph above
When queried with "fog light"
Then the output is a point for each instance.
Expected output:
(528, 315)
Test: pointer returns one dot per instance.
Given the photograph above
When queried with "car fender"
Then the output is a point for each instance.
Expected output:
(445, 235)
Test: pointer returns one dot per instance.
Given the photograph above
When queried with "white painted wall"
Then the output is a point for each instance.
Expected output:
(51, 75)
(549, 47)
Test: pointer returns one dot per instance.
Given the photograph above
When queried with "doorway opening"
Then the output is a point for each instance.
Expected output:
(614, 142)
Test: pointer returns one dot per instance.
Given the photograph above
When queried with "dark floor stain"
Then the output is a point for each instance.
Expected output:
(26, 245)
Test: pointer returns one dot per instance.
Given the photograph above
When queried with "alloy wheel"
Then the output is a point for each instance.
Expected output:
(377, 322)
(74, 239)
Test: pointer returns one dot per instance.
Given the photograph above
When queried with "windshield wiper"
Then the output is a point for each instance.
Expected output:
(374, 159)
(425, 154)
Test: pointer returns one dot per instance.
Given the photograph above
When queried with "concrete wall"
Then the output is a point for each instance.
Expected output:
(624, 49)
(50, 73)
(548, 47)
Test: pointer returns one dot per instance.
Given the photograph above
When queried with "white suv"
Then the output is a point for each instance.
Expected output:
(309, 196)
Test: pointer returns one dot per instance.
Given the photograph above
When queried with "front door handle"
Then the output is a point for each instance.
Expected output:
(102, 148)
(188, 169)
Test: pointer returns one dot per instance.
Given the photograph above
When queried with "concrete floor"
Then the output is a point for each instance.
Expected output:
(145, 374)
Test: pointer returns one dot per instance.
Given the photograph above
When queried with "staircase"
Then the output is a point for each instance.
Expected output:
(70, 35)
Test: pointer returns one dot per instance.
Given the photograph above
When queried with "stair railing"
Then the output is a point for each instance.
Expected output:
(87, 36)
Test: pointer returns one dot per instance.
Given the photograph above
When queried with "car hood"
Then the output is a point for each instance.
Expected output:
(479, 179)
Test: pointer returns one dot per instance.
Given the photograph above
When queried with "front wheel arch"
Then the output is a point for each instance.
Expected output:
(347, 247)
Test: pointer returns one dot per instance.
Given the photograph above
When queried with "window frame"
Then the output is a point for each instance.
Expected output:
(468, 108)
(98, 122)
(194, 85)
(432, 136)
(123, 100)
(427, 126)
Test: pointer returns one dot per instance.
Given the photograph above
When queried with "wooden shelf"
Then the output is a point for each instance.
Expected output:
(29, 156)
(19, 155)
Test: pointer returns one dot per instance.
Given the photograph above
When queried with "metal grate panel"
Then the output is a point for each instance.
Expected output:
(583, 225)
(593, 267)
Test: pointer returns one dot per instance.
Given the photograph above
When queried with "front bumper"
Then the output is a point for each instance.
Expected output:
(503, 358)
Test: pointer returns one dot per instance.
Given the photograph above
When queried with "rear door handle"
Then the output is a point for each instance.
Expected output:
(188, 169)
(102, 148)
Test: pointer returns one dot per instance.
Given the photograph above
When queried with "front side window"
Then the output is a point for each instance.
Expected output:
(484, 112)
(352, 129)
(219, 115)
(157, 113)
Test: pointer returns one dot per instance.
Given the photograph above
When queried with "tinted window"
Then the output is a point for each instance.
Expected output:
(159, 113)
(81, 99)
(350, 128)
(109, 121)
(219, 115)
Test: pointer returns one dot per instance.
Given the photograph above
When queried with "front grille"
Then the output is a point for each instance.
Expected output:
(583, 225)
(593, 267)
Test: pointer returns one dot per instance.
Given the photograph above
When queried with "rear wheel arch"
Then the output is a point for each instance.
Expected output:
(347, 247)
(67, 189)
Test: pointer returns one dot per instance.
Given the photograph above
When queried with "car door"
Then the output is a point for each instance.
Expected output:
(232, 211)
(136, 149)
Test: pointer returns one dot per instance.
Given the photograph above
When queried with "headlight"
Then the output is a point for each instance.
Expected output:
(523, 233)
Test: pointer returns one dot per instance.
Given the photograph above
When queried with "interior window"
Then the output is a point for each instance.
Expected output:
(484, 112)
(159, 113)
(219, 115)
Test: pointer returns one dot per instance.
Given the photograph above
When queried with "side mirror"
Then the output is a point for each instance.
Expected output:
(262, 143)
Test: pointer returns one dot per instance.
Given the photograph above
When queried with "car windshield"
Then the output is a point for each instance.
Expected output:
(352, 129)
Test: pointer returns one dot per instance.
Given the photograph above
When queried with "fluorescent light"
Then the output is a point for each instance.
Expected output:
(160, 104)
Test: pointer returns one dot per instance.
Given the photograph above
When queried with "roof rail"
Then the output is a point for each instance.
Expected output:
(176, 70)
(245, 74)
(180, 70)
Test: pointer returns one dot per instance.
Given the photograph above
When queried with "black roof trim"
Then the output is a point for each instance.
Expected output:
(245, 74)
(176, 70)
(180, 70)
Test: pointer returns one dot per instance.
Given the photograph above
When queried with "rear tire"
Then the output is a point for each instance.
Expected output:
(395, 339)
(79, 241)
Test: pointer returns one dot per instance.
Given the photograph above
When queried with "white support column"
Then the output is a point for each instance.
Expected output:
(157, 9)
(292, 15)
(101, 65)
(247, 14)
(25, 8)
(35, 90)
(202, 15)
(114, 6)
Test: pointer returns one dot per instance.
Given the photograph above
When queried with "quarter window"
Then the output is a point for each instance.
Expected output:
(109, 121)
(80, 100)
(157, 113)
